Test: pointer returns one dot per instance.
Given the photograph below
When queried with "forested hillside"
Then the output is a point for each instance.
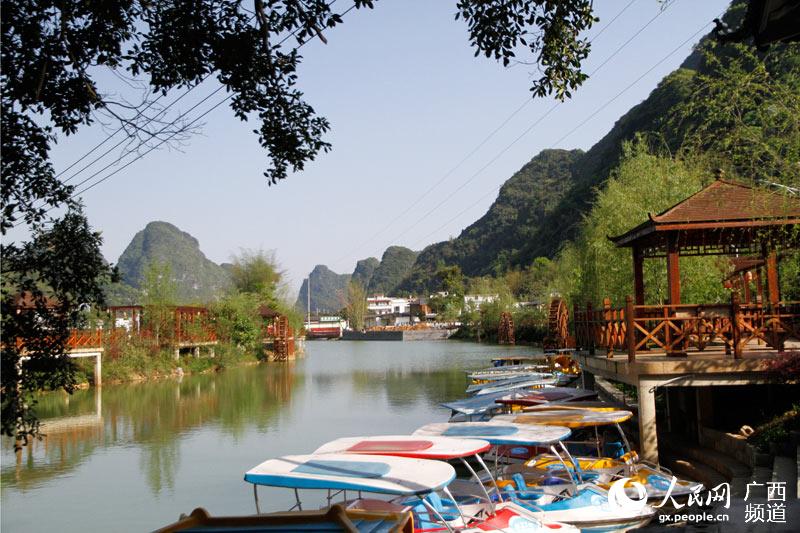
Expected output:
(727, 106)
(486, 246)
(328, 290)
(395, 266)
(364, 270)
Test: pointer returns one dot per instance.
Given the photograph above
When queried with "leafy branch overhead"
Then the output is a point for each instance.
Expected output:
(56, 56)
(55, 53)
(549, 31)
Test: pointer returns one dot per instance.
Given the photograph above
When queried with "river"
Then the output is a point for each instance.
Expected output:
(133, 457)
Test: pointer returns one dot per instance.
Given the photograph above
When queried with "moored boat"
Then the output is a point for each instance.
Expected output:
(526, 381)
(548, 396)
(584, 505)
(482, 407)
(412, 484)
(604, 454)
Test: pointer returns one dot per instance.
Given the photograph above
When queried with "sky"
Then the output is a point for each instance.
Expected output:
(408, 102)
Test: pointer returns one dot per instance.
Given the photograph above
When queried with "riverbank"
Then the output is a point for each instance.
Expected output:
(136, 363)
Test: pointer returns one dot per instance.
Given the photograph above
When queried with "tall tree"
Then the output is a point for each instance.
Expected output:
(257, 272)
(160, 293)
(356, 306)
(46, 284)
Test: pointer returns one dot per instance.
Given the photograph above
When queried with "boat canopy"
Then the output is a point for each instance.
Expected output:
(568, 417)
(369, 473)
(443, 448)
(476, 405)
(519, 382)
(521, 358)
(498, 433)
(548, 394)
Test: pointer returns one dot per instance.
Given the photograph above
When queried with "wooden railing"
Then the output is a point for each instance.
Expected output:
(85, 339)
(675, 329)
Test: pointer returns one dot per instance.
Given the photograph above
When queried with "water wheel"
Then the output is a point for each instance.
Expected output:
(557, 325)
(505, 333)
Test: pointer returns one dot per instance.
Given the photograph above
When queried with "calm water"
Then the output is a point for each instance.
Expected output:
(136, 456)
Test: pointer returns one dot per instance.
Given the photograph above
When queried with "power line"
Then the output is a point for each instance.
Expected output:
(597, 69)
(573, 130)
(151, 119)
(486, 139)
(141, 155)
(194, 120)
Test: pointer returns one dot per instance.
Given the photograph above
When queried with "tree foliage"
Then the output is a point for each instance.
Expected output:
(644, 183)
(47, 283)
(236, 320)
(159, 293)
(56, 51)
(743, 112)
(547, 30)
(356, 305)
(257, 272)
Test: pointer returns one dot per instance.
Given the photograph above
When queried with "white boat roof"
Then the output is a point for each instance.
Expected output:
(500, 386)
(520, 378)
(369, 473)
(497, 433)
(507, 370)
(443, 448)
(485, 402)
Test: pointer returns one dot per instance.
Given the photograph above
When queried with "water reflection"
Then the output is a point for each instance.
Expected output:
(152, 416)
(170, 446)
(404, 388)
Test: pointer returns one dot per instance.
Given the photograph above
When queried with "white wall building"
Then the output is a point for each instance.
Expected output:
(384, 305)
(476, 300)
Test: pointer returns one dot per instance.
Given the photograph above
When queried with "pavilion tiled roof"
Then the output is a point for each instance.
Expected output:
(728, 200)
(723, 203)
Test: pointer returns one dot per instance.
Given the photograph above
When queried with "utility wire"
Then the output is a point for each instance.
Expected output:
(573, 130)
(486, 139)
(140, 112)
(597, 69)
(141, 155)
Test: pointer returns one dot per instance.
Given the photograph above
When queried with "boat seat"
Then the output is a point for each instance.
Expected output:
(519, 489)
(615, 450)
(424, 519)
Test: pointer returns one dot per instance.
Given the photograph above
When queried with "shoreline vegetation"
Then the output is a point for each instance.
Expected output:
(136, 363)
(142, 347)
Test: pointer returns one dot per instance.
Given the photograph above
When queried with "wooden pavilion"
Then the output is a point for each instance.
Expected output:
(688, 350)
(754, 226)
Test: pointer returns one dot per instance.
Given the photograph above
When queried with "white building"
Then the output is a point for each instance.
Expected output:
(384, 305)
(476, 300)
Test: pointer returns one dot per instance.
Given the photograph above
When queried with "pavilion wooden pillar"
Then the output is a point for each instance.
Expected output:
(673, 270)
(746, 287)
(773, 286)
(760, 286)
(638, 276)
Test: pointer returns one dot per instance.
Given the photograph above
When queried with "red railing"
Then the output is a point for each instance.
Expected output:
(677, 328)
(85, 339)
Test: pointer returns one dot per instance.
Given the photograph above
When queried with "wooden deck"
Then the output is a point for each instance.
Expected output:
(711, 362)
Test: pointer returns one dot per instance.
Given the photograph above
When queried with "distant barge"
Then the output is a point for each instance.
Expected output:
(398, 335)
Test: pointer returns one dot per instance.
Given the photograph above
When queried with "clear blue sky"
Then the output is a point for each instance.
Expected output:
(407, 101)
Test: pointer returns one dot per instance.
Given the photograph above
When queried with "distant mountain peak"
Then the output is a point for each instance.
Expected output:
(198, 279)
